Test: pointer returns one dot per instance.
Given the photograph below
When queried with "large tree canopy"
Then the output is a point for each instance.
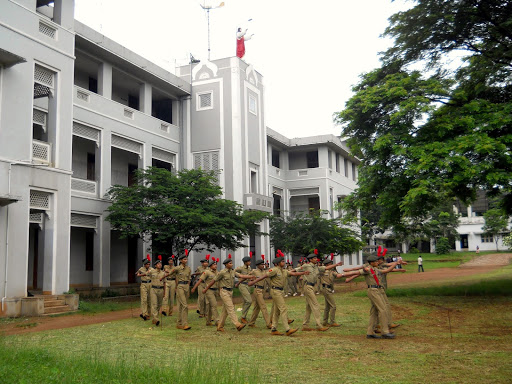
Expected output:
(179, 211)
(434, 122)
(302, 233)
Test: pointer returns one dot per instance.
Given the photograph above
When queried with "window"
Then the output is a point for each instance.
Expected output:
(131, 174)
(161, 164)
(253, 105)
(329, 158)
(277, 205)
(354, 172)
(312, 159)
(338, 162)
(89, 251)
(487, 238)
(345, 161)
(314, 203)
(275, 158)
(254, 182)
(204, 101)
(91, 166)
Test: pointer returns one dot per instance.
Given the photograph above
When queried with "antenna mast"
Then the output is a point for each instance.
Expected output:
(208, 8)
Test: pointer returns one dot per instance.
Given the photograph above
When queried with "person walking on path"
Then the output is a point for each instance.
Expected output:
(420, 264)
(145, 288)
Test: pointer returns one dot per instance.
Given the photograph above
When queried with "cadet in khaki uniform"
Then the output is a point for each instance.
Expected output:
(145, 288)
(378, 311)
(277, 276)
(157, 289)
(201, 298)
(311, 279)
(259, 301)
(226, 282)
(211, 313)
(170, 289)
(244, 288)
(327, 280)
(182, 273)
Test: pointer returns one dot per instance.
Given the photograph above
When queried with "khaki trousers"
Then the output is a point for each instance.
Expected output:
(145, 299)
(292, 285)
(311, 306)
(211, 307)
(156, 302)
(330, 306)
(378, 311)
(259, 305)
(388, 308)
(201, 299)
(228, 309)
(182, 293)
(170, 293)
(246, 294)
(279, 309)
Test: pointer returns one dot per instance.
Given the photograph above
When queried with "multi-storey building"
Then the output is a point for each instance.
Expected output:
(80, 113)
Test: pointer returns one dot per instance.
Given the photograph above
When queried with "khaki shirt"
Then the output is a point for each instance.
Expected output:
(314, 272)
(258, 273)
(156, 275)
(143, 270)
(168, 268)
(181, 272)
(383, 277)
(277, 276)
(207, 276)
(328, 276)
(368, 277)
(226, 278)
(243, 270)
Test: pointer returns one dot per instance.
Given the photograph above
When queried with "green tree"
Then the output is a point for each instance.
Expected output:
(428, 131)
(496, 223)
(507, 240)
(179, 211)
(302, 233)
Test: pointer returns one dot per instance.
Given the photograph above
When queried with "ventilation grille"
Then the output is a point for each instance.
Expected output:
(205, 100)
(164, 127)
(36, 218)
(208, 161)
(126, 144)
(39, 200)
(39, 118)
(41, 151)
(80, 185)
(47, 30)
(86, 132)
(163, 155)
(84, 221)
(304, 191)
(81, 95)
(43, 76)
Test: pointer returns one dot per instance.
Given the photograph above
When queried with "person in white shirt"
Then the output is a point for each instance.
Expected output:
(420, 264)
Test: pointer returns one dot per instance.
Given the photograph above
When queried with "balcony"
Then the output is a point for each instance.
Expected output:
(41, 152)
(258, 202)
(88, 187)
(98, 104)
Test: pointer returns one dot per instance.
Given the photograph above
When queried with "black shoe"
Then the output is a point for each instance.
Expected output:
(388, 336)
(145, 317)
(142, 316)
(197, 311)
(373, 337)
(157, 323)
(164, 313)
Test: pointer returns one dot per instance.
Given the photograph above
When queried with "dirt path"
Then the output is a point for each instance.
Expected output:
(478, 265)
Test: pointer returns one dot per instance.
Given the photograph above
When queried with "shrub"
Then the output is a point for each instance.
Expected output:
(442, 246)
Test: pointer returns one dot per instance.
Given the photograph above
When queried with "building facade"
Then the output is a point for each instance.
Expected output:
(80, 113)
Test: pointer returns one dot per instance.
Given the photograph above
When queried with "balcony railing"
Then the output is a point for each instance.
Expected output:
(258, 202)
(84, 186)
(41, 151)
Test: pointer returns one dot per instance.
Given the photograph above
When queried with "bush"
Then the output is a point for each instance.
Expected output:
(443, 246)
(507, 240)
(414, 250)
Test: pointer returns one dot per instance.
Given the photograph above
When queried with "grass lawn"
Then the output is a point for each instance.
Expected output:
(443, 339)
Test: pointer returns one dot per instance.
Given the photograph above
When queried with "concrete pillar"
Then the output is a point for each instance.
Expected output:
(63, 13)
(105, 80)
(176, 106)
(105, 161)
(146, 98)
(49, 233)
(101, 275)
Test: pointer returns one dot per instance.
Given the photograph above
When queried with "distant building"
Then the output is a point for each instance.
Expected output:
(80, 113)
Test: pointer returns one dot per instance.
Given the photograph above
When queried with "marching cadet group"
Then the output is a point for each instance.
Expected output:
(161, 285)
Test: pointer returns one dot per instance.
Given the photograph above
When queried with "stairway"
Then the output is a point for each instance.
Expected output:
(55, 304)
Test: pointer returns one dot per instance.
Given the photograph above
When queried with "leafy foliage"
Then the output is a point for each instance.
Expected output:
(496, 222)
(442, 246)
(302, 233)
(434, 122)
(179, 211)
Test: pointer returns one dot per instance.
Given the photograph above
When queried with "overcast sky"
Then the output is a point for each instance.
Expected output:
(310, 53)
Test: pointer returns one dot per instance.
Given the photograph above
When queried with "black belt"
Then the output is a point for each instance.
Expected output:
(171, 279)
(375, 286)
(259, 286)
(278, 288)
(145, 282)
(311, 284)
(227, 289)
(154, 286)
(244, 282)
(213, 289)
(327, 286)
(183, 282)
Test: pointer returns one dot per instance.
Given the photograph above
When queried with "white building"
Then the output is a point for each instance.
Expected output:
(79, 113)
